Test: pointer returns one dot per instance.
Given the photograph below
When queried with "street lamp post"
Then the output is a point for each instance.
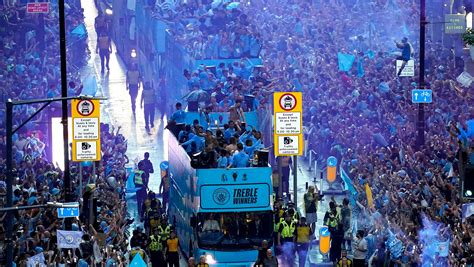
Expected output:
(9, 181)
(64, 117)
(420, 140)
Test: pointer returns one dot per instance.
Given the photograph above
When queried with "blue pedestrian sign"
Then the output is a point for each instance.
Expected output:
(324, 231)
(332, 161)
(68, 212)
(421, 96)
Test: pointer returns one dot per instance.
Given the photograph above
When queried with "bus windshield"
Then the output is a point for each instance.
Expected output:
(234, 230)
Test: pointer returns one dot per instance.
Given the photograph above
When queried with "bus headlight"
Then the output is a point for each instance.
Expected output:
(109, 11)
(210, 259)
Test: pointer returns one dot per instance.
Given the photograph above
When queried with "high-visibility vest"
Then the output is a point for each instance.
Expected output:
(303, 234)
(155, 244)
(165, 233)
(340, 264)
(276, 226)
(334, 221)
(296, 217)
(132, 76)
(288, 230)
(138, 180)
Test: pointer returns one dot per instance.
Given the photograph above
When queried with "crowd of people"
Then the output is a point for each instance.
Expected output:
(218, 30)
(361, 115)
(31, 70)
(103, 218)
(377, 143)
(30, 60)
(364, 117)
(209, 146)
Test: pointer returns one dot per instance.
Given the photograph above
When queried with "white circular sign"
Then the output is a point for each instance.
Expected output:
(287, 102)
(85, 107)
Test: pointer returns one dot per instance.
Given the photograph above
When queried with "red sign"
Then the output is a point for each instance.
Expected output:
(42, 7)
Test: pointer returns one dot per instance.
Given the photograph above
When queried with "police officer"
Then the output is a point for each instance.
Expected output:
(156, 249)
(133, 81)
(202, 262)
(286, 238)
(303, 239)
(164, 228)
(278, 219)
(154, 221)
(332, 219)
(148, 99)
(344, 261)
(141, 193)
(104, 48)
(295, 216)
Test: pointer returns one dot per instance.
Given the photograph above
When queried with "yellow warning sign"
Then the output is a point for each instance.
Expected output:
(85, 130)
(288, 123)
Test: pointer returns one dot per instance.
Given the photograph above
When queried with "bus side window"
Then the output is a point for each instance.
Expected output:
(193, 221)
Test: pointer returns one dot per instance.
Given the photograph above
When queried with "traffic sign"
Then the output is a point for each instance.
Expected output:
(86, 130)
(332, 161)
(40, 7)
(68, 212)
(408, 70)
(324, 240)
(454, 23)
(331, 169)
(288, 145)
(421, 96)
(288, 123)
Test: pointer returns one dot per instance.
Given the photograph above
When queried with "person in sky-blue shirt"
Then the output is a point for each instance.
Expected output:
(229, 132)
(179, 116)
(240, 159)
(198, 140)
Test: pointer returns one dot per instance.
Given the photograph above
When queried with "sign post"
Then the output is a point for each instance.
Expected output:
(288, 124)
(331, 170)
(421, 96)
(408, 70)
(288, 128)
(324, 240)
(454, 23)
(85, 130)
(40, 7)
(68, 210)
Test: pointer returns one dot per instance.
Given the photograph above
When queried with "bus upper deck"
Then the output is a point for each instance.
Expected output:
(223, 212)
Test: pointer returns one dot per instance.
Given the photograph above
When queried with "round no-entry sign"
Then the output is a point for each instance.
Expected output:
(287, 102)
(85, 107)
